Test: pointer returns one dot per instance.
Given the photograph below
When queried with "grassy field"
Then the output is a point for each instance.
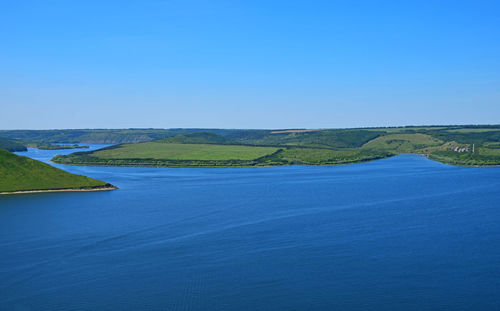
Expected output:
(466, 158)
(209, 155)
(402, 143)
(19, 173)
(488, 152)
(172, 151)
(333, 139)
(327, 156)
(492, 145)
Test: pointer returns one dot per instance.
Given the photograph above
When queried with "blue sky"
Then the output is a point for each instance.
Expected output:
(248, 64)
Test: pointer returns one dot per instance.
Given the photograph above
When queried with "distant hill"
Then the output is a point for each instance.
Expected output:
(11, 145)
(102, 136)
(319, 138)
(15, 145)
(18, 173)
(403, 143)
(196, 138)
(324, 138)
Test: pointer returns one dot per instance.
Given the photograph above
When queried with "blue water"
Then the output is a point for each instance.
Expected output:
(404, 233)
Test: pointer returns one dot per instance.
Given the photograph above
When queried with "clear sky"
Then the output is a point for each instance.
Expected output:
(248, 64)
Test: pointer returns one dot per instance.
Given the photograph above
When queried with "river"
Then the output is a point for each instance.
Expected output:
(403, 233)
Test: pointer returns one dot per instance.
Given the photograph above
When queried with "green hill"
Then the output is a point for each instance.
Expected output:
(12, 145)
(309, 156)
(15, 145)
(319, 138)
(403, 143)
(196, 138)
(18, 173)
(101, 136)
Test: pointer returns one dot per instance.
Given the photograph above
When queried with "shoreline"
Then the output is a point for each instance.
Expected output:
(427, 156)
(107, 188)
(220, 166)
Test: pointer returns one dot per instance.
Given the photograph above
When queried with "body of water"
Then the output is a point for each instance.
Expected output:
(404, 233)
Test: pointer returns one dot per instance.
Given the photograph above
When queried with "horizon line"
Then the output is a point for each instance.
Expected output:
(257, 129)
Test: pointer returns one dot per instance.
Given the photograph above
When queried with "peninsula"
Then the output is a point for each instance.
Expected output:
(471, 145)
(20, 174)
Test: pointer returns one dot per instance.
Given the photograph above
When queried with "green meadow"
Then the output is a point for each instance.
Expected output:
(403, 143)
(172, 151)
(310, 156)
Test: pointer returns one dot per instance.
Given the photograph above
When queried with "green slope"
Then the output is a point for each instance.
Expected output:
(19, 173)
(172, 151)
(196, 138)
(309, 156)
(481, 157)
(403, 143)
(159, 153)
(319, 139)
(11, 145)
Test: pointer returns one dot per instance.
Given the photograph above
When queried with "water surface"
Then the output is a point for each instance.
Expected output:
(404, 233)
